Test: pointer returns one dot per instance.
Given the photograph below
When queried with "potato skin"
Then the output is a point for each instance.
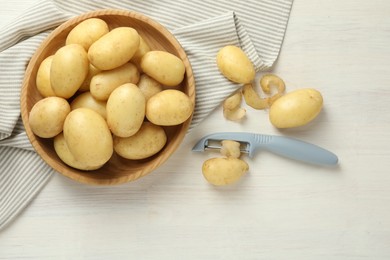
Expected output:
(141, 51)
(235, 65)
(69, 68)
(88, 137)
(88, 101)
(114, 48)
(43, 78)
(164, 67)
(169, 107)
(148, 141)
(92, 71)
(149, 86)
(296, 108)
(224, 171)
(87, 32)
(67, 157)
(125, 110)
(47, 116)
(103, 83)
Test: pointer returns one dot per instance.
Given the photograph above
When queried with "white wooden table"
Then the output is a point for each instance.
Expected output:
(282, 209)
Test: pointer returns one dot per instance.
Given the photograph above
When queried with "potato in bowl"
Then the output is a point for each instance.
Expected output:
(156, 38)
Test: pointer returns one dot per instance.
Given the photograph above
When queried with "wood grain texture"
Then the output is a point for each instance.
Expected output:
(281, 209)
(117, 170)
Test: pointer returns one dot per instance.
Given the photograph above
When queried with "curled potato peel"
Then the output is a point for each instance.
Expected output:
(230, 148)
(269, 80)
(234, 114)
(232, 109)
(253, 99)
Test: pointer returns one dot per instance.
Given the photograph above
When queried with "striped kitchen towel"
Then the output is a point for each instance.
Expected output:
(201, 26)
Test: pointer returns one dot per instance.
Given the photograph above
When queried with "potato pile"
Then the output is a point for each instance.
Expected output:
(106, 91)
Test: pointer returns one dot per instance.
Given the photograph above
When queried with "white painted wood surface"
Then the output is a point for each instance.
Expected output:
(281, 209)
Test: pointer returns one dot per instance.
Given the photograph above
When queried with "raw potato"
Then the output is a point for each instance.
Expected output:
(125, 110)
(230, 148)
(88, 101)
(43, 78)
(102, 84)
(47, 116)
(149, 86)
(92, 71)
(67, 157)
(169, 107)
(235, 65)
(164, 67)
(296, 108)
(88, 138)
(87, 32)
(148, 141)
(114, 48)
(142, 49)
(69, 69)
(224, 171)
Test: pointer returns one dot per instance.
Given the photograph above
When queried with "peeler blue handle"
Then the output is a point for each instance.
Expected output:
(299, 150)
(285, 146)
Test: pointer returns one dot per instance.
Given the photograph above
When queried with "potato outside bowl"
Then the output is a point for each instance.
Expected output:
(117, 170)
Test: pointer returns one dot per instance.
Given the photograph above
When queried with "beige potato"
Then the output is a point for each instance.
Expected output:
(92, 71)
(103, 83)
(125, 110)
(87, 32)
(43, 78)
(67, 157)
(88, 101)
(47, 116)
(169, 107)
(149, 86)
(234, 64)
(88, 138)
(296, 108)
(114, 49)
(224, 171)
(148, 141)
(164, 67)
(69, 68)
(142, 49)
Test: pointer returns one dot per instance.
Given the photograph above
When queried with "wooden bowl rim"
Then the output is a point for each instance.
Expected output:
(73, 22)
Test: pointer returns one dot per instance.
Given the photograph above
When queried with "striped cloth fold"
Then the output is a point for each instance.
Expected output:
(202, 28)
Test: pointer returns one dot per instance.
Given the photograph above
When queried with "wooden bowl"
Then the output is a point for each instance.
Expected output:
(117, 170)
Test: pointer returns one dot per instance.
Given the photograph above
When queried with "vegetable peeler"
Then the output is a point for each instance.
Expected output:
(285, 146)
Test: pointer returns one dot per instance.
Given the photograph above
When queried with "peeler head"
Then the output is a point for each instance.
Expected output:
(213, 142)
